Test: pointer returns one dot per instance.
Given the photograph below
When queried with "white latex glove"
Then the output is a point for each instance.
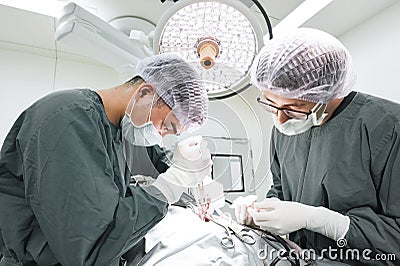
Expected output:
(190, 164)
(283, 217)
(194, 158)
(241, 204)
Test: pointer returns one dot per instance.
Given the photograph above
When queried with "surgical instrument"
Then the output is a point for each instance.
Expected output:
(226, 241)
(231, 227)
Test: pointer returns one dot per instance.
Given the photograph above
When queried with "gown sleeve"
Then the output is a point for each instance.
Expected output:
(71, 187)
(276, 188)
(160, 157)
(379, 230)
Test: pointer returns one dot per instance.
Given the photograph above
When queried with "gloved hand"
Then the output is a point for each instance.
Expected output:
(241, 204)
(191, 163)
(283, 217)
(194, 158)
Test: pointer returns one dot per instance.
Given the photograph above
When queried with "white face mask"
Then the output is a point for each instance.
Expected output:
(295, 126)
(145, 135)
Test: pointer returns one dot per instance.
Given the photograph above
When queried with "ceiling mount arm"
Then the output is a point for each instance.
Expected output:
(97, 39)
(265, 15)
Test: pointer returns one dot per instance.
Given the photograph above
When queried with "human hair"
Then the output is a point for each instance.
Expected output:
(136, 80)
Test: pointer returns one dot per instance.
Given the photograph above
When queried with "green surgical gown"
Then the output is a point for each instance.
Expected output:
(63, 195)
(351, 165)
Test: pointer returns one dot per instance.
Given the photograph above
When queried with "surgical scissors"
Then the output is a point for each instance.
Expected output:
(225, 220)
(231, 227)
(242, 233)
(226, 241)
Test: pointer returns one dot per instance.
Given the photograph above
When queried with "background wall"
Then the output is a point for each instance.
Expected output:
(29, 70)
(242, 117)
(375, 47)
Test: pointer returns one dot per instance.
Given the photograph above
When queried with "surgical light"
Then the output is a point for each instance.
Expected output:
(222, 36)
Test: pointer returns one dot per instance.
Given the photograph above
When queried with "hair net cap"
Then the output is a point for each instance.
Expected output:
(179, 85)
(305, 64)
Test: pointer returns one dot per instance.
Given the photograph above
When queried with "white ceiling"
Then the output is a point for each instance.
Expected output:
(343, 15)
(337, 18)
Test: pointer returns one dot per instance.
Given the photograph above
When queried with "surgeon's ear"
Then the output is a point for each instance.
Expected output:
(146, 89)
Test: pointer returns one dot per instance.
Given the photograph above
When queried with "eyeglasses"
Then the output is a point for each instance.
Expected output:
(168, 125)
(174, 129)
(294, 114)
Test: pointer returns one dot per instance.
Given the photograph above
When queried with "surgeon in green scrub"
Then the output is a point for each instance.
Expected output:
(66, 164)
(335, 153)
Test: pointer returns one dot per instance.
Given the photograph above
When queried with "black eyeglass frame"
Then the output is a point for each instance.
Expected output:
(286, 109)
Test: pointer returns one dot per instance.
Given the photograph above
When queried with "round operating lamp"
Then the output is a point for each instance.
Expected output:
(220, 38)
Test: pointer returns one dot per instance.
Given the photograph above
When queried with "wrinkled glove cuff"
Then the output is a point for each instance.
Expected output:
(327, 222)
(169, 184)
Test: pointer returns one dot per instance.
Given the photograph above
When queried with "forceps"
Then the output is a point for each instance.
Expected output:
(230, 227)
(242, 233)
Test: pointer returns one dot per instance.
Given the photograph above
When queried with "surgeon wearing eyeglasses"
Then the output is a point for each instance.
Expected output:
(66, 164)
(335, 152)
